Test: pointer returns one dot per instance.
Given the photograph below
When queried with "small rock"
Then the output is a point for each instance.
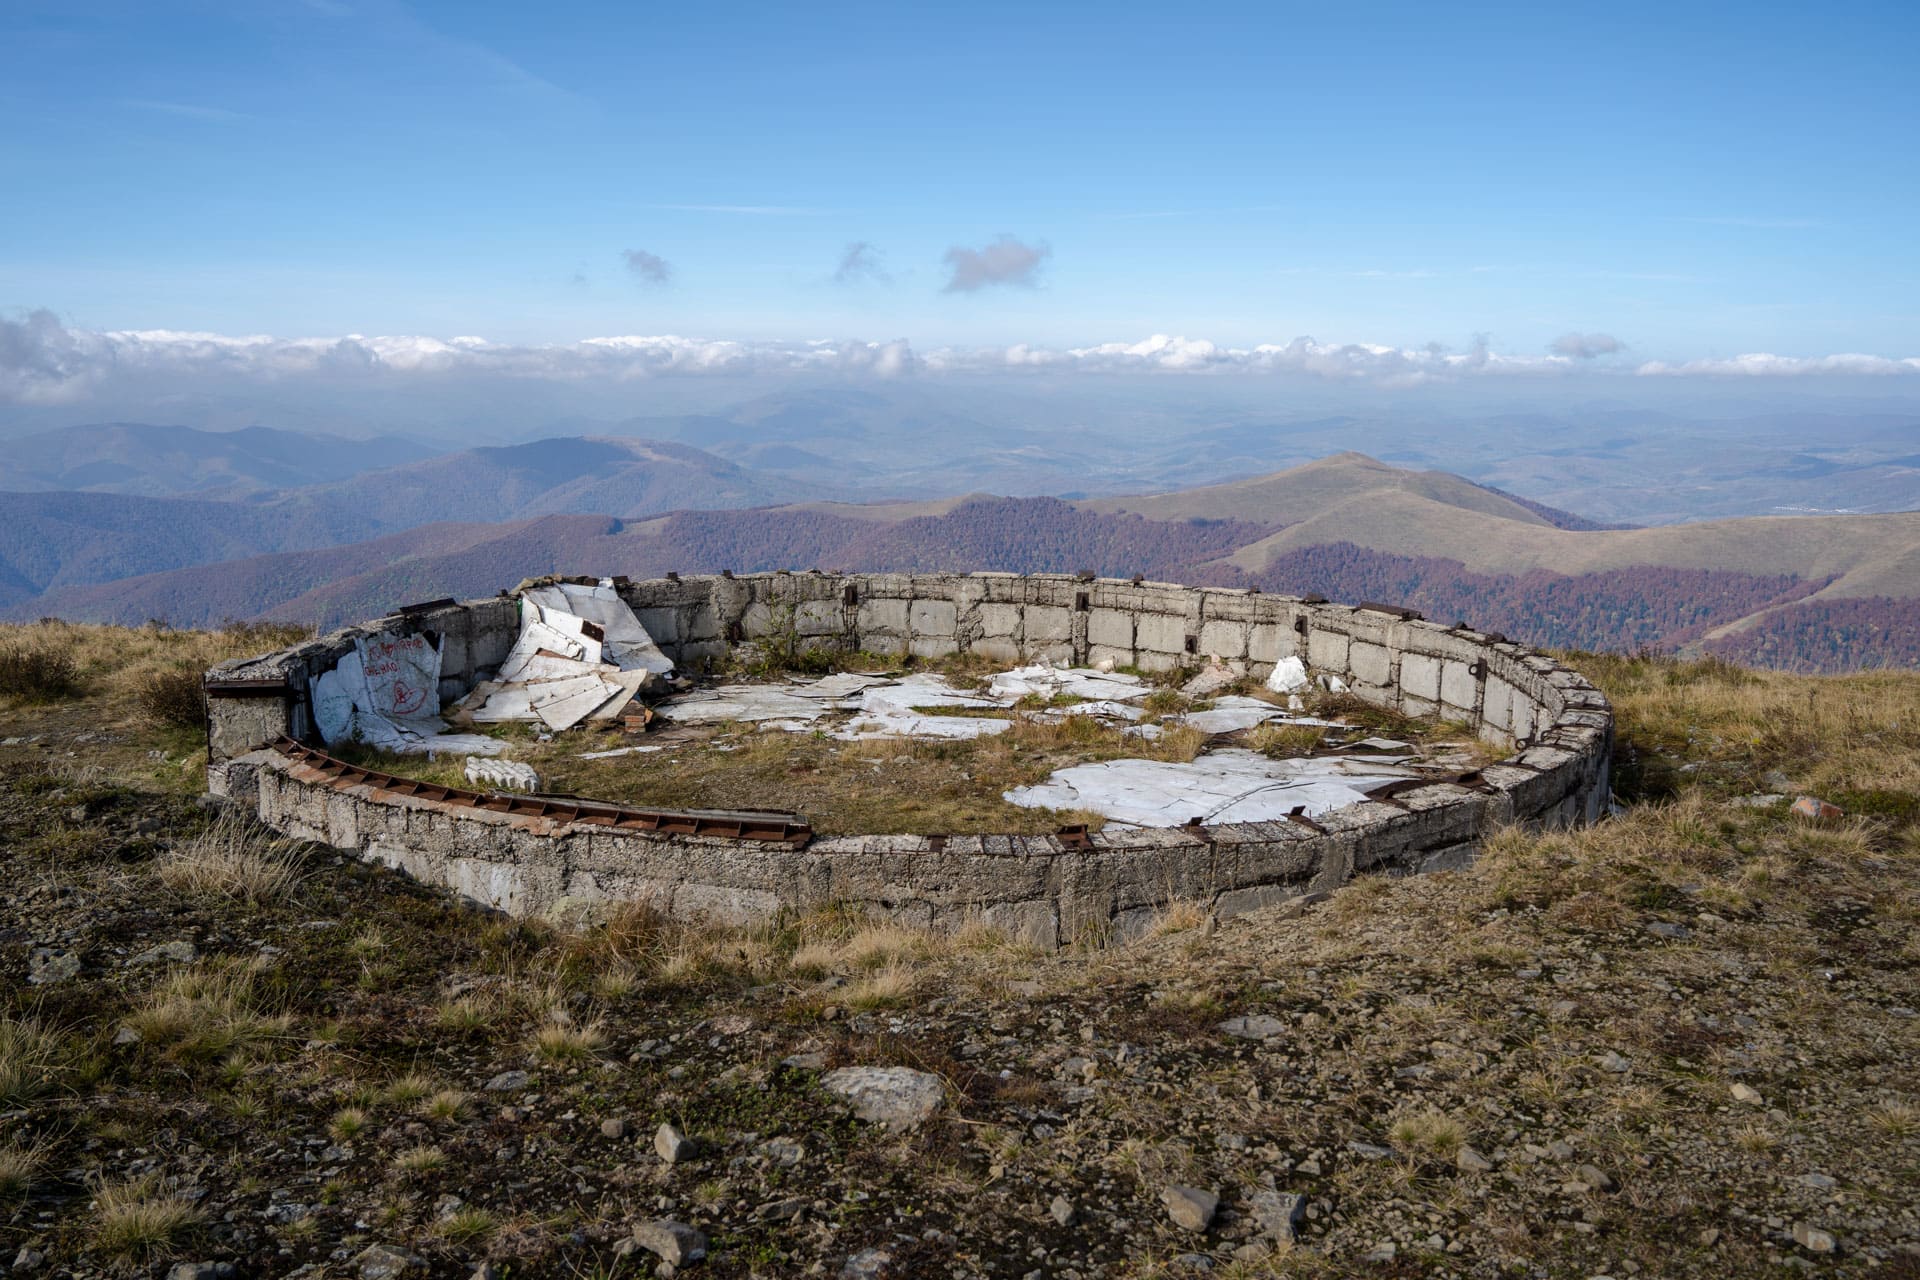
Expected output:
(178, 952)
(1596, 1177)
(868, 1264)
(1190, 1207)
(1368, 1151)
(1748, 1095)
(490, 1271)
(507, 1081)
(673, 1242)
(126, 1036)
(1817, 810)
(1613, 1063)
(1671, 932)
(613, 1127)
(1383, 1252)
(46, 966)
(1467, 1160)
(781, 1210)
(1279, 1213)
(1818, 1181)
(384, 1262)
(672, 1145)
(805, 1061)
(200, 1271)
(1062, 1211)
(897, 1097)
(1560, 1149)
(1253, 1026)
(28, 1259)
(1812, 1239)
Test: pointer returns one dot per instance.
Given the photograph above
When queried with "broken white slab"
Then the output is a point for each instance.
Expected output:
(561, 704)
(1224, 786)
(1289, 675)
(1234, 713)
(745, 702)
(1216, 677)
(503, 775)
(618, 751)
(894, 710)
(425, 736)
(622, 642)
(537, 639)
(1077, 682)
(1380, 744)
(1106, 709)
(911, 724)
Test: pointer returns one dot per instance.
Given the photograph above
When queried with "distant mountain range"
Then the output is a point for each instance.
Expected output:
(1812, 592)
(53, 540)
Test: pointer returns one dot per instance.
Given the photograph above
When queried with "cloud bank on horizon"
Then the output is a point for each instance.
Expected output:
(43, 361)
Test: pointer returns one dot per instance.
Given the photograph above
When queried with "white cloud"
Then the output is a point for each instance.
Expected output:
(648, 268)
(42, 361)
(1586, 346)
(1005, 261)
(1765, 365)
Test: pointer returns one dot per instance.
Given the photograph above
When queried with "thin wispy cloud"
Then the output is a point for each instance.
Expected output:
(647, 268)
(859, 264)
(1757, 223)
(1006, 261)
(1586, 346)
(188, 110)
(748, 210)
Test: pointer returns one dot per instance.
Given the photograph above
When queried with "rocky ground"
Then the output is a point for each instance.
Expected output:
(1681, 1044)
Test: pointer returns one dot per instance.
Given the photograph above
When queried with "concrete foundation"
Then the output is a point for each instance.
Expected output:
(1043, 889)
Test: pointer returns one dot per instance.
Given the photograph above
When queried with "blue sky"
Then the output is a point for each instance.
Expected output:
(1686, 180)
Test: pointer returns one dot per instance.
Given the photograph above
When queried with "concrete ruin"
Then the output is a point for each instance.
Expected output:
(529, 855)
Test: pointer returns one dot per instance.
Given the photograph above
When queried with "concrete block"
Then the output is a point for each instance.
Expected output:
(1371, 663)
(1160, 633)
(1048, 625)
(1224, 639)
(1110, 629)
(1420, 676)
(933, 618)
(1457, 685)
(886, 617)
(1327, 651)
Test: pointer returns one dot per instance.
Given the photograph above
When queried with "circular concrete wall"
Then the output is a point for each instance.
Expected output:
(527, 857)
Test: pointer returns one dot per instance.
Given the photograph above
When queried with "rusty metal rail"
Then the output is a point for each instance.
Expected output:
(778, 828)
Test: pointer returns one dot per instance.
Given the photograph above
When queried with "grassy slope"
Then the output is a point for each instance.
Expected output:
(1871, 555)
(313, 1082)
(1300, 491)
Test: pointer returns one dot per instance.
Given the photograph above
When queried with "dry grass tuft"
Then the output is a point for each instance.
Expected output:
(420, 1159)
(884, 988)
(562, 1042)
(446, 1106)
(139, 1220)
(201, 1012)
(37, 672)
(173, 697)
(234, 858)
(1430, 1133)
(1178, 916)
(1895, 1119)
(1286, 741)
(18, 1164)
(347, 1124)
(29, 1059)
